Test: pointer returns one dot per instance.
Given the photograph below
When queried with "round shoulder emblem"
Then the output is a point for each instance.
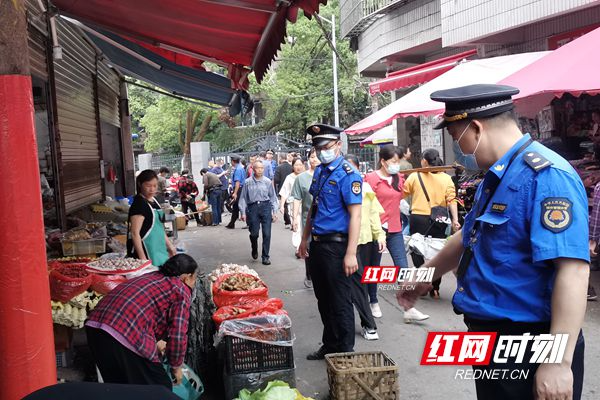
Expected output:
(356, 187)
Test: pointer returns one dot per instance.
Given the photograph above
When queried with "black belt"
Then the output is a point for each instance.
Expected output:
(331, 237)
(259, 202)
(505, 324)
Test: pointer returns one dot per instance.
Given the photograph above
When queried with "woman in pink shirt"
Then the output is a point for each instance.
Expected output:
(387, 184)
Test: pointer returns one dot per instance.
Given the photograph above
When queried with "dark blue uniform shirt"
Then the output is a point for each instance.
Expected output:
(239, 175)
(334, 187)
(532, 219)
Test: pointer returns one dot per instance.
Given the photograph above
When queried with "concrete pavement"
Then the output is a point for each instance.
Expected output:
(212, 246)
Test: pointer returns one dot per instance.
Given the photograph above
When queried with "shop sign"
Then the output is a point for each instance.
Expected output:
(556, 41)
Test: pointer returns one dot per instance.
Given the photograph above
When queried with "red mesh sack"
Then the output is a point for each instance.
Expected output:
(250, 308)
(224, 296)
(68, 281)
(103, 284)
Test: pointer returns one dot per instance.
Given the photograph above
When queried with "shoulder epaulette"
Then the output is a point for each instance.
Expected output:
(536, 161)
(347, 167)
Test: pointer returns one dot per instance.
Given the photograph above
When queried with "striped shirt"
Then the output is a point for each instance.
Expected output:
(144, 310)
(595, 215)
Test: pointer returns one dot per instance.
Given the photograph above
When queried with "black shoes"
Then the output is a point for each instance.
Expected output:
(317, 355)
(254, 254)
(266, 261)
(229, 226)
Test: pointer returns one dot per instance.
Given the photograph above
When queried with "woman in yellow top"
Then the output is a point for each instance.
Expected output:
(370, 242)
(441, 191)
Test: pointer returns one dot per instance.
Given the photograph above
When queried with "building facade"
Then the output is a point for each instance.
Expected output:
(389, 36)
(81, 118)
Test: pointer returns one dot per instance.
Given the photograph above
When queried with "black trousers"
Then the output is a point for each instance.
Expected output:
(191, 205)
(422, 224)
(118, 364)
(368, 255)
(360, 298)
(260, 217)
(235, 212)
(333, 290)
(522, 389)
(287, 220)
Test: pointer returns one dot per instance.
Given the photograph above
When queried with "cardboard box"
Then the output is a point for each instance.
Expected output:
(180, 223)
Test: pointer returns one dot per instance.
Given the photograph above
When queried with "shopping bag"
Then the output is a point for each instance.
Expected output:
(191, 387)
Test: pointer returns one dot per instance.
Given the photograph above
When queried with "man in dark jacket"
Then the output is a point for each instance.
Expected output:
(282, 171)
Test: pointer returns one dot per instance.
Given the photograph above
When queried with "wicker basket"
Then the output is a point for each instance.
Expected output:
(357, 376)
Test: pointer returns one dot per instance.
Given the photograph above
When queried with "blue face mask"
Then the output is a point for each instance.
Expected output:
(327, 156)
(466, 160)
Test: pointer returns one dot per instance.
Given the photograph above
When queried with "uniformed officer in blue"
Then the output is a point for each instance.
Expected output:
(333, 227)
(522, 255)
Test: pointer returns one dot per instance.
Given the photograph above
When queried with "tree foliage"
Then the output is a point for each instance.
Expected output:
(301, 82)
(297, 91)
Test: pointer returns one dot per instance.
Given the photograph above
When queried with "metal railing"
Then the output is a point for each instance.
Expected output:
(357, 15)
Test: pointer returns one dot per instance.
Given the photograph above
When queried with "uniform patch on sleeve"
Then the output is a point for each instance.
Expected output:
(557, 213)
(356, 187)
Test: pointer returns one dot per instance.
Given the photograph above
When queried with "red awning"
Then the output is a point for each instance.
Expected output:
(572, 68)
(418, 102)
(417, 74)
(233, 33)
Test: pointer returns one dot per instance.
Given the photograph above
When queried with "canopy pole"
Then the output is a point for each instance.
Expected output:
(26, 337)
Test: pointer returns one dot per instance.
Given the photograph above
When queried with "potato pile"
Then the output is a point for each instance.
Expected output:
(239, 282)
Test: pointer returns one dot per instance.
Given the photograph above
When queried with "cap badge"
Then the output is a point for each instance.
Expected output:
(456, 117)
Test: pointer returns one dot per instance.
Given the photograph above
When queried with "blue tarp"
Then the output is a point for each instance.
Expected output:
(176, 79)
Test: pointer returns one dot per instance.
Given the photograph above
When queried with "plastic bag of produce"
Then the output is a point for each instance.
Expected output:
(275, 390)
(67, 282)
(236, 288)
(249, 308)
(103, 284)
(269, 329)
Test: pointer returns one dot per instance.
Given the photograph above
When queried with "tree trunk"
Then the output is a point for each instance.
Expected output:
(27, 339)
(203, 128)
(13, 38)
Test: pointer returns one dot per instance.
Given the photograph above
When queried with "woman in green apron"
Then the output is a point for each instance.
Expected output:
(147, 239)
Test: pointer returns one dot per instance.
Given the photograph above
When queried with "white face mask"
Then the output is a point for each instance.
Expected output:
(393, 169)
(469, 161)
(327, 156)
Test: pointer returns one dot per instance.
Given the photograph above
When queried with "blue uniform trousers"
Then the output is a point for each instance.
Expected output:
(259, 216)
(214, 199)
(333, 290)
(522, 389)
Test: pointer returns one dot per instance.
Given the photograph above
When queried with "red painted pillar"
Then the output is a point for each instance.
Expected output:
(26, 340)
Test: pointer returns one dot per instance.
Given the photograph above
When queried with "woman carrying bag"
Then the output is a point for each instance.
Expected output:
(433, 195)
(387, 184)
(140, 320)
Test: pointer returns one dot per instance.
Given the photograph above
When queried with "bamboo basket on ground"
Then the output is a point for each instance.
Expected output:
(362, 376)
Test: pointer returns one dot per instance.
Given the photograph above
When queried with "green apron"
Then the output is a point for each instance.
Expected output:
(154, 241)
